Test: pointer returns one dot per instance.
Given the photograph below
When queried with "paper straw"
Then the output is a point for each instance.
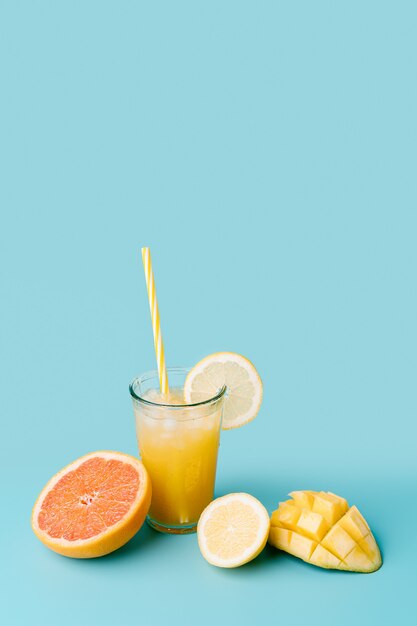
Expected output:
(156, 324)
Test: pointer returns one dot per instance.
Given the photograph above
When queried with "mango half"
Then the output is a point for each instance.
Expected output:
(320, 528)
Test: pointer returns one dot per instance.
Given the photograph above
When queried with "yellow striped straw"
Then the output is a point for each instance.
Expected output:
(156, 324)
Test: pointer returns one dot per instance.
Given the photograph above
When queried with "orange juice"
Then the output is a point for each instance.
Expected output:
(178, 445)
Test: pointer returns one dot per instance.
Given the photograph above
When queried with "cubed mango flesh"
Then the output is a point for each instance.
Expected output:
(320, 528)
(312, 524)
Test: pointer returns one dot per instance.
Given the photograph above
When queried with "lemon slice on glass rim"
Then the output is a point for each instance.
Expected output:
(243, 397)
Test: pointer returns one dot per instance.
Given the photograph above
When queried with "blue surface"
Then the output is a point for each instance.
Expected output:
(266, 152)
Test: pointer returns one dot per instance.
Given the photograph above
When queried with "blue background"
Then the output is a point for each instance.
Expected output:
(266, 152)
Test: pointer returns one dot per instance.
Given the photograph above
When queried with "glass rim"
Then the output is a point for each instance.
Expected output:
(154, 374)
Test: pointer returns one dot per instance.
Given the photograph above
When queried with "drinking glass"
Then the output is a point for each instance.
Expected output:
(178, 444)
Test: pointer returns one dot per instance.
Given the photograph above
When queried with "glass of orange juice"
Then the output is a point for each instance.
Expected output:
(178, 444)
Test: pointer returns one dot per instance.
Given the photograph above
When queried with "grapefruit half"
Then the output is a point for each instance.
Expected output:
(93, 506)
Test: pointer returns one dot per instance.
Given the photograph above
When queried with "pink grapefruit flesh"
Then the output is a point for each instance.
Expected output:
(93, 506)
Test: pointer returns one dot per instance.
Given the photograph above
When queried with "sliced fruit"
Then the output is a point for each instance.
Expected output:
(312, 524)
(93, 506)
(357, 560)
(354, 524)
(303, 499)
(369, 546)
(324, 558)
(329, 506)
(233, 530)
(280, 536)
(338, 542)
(302, 546)
(244, 387)
(320, 528)
(287, 515)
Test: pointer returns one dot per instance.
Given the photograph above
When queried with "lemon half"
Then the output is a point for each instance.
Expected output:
(233, 530)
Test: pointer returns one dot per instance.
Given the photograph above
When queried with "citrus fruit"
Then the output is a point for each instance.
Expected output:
(244, 387)
(93, 506)
(233, 530)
